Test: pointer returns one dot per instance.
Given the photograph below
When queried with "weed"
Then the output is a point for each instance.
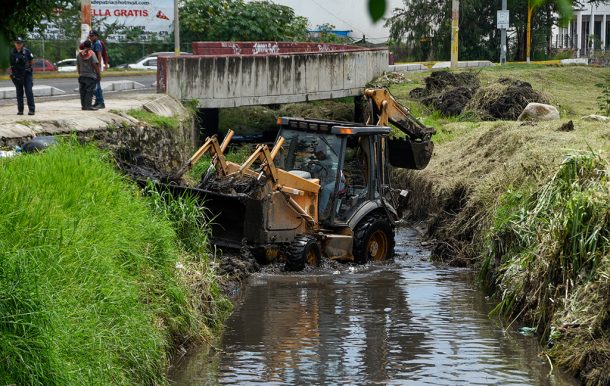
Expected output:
(89, 290)
(550, 245)
(603, 100)
(25, 123)
(191, 105)
(155, 120)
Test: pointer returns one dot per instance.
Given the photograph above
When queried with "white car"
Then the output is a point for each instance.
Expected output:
(66, 65)
(149, 62)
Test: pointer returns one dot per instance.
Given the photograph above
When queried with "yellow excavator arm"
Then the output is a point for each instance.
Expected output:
(386, 109)
(412, 152)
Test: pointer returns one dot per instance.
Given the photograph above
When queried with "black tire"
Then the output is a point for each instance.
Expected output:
(373, 239)
(304, 250)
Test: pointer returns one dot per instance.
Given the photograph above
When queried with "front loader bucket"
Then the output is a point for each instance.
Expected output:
(228, 213)
(408, 154)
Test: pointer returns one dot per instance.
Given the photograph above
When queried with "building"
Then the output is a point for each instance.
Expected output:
(345, 15)
(583, 36)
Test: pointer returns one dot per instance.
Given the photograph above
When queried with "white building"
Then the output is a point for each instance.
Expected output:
(349, 15)
(578, 34)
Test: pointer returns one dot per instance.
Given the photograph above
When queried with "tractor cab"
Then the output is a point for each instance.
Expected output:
(349, 160)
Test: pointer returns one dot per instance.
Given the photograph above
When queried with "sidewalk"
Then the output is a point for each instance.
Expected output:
(66, 116)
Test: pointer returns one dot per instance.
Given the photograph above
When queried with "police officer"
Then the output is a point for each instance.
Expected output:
(21, 75)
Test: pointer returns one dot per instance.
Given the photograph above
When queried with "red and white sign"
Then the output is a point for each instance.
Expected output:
(152, 16)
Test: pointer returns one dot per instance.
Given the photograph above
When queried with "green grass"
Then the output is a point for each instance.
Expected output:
(170, 123)
(89, 289)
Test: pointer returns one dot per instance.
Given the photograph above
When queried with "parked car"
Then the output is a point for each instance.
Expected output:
(149, 62)
(66, 65)
(43, 65)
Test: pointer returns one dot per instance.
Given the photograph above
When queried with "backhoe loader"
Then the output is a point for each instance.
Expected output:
(322, 190)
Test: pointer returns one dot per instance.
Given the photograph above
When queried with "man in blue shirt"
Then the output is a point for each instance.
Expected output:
(97, 48)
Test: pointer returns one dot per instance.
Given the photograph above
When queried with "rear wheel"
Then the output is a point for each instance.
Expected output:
(304, 250)
(373, 239)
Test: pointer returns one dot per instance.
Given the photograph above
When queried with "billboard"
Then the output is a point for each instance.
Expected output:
(152, 16)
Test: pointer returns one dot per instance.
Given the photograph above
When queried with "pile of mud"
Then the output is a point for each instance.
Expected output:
(455, 93)
(503, 100)
(447, 92)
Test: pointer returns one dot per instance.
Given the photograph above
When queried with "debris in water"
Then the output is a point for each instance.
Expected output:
(527, 331)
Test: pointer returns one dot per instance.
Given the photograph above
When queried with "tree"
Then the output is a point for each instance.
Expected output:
(209, 20)
(326, 34)
(20, 16)
(425, 27)
(564, 6)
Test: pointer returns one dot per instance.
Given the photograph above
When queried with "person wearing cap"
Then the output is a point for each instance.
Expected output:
(88, 69)
(96, 46)
(21, 75)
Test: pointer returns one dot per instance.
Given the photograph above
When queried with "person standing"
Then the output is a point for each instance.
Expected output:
(21, 75)
(88, 68)
(96, 46)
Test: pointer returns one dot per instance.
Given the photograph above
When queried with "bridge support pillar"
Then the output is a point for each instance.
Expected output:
(359, 109)
(209, 120)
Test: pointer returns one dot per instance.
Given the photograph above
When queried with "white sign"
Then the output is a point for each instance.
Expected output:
(151, 15)
(503, 19)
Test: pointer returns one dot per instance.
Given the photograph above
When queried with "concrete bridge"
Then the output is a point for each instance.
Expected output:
(232, 74)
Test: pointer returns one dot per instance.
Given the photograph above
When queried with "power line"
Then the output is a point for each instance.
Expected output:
(337, 17)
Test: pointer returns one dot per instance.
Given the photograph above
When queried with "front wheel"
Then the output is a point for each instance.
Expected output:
(304, 250)
(373, 239)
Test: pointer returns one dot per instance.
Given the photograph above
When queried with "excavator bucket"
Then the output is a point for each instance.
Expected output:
(409, 154)
(415, 150)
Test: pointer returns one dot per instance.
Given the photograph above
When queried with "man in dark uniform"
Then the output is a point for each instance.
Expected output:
(21, 75)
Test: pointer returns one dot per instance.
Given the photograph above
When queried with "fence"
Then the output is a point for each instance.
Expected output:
(118, 53)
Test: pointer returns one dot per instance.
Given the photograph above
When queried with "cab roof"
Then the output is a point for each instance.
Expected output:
(331, 127)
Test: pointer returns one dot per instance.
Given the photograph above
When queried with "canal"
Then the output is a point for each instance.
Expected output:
(405, 322)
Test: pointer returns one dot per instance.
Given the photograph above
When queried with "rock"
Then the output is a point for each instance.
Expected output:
(568, 126)
(539, 112)
(596, 118)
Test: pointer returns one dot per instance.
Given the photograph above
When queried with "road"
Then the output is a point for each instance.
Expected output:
(69, 84)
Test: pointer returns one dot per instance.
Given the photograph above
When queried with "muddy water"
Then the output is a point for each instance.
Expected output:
(406, 322)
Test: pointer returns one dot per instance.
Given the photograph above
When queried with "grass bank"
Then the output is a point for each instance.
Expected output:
(527, 204)
(97, 283)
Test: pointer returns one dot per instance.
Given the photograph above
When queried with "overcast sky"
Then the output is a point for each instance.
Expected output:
(344, 15)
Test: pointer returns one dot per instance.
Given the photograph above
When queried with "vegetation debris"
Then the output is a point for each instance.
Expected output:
(568, 126)
(503, 100)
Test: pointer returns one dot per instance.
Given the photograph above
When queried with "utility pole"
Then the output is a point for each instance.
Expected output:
(85, 22)
(455, 18)
(503, 39)
(176, 29)
(85, 19)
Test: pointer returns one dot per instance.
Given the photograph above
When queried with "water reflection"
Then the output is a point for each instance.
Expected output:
(406, 322)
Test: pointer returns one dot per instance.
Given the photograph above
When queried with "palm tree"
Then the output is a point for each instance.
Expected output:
(565, 9)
